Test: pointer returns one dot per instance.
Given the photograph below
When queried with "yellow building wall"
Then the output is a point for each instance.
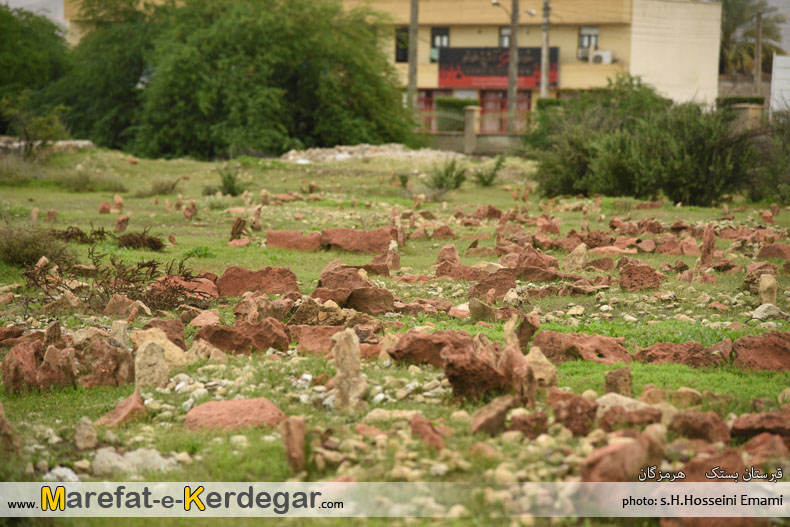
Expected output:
(675, 47)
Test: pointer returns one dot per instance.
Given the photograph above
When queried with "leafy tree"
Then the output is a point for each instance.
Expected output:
(33, 53)
(738, 32)
(102, 92)
(259, 76)
(33, 130)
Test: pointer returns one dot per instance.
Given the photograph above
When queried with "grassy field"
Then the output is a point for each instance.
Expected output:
(359, 194)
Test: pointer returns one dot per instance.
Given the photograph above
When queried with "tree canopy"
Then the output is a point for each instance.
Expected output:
(210, 78)
(738, 32)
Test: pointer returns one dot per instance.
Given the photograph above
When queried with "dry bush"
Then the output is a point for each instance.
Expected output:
(24, 245)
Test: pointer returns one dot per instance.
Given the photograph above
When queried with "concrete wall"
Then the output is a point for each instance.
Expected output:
(675, 47)
(487, 144)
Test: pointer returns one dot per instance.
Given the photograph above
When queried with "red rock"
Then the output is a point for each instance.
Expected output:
(749, 425)
(531, 425)
(573, 411)
(368, 431)
(529, 257)
(485, 451)
(728, 460)
(342, 278)
(104, 207)
(338, 296)
(700, 425)
(718, 306)
(121, 222)
(294, 240)
(769, 351)
(241, 242)
(19, 367)
(461, 272)
(767, 217)
(547, 226)
(354, 240)
(753, 272)
(125, 411)
(449, 254)
(372, 300)
(57, 370)
(9, 442)
(639, 277)
(472, 373)
(118, 305)
(420, 348)
(708, 245)
(197, 287)
(689, 246)
(621, 461)
(10, 332)
(314, 339)
(424, 430)
(648, 205)
(527, 329)
(241, 338)
(272, 280)
(766, 447)
(443, 233)
(292, 430)
(618, 417)
(255, 307)
(491, 418)
(501, 282)
(775, 250)
(689, 353)
(235, 413)
(173, 329)
(646, 246)
(602, 264)
(107, 363)
(562, 347)
(618, 381)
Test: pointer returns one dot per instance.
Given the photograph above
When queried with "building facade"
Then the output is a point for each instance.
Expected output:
(463, 49)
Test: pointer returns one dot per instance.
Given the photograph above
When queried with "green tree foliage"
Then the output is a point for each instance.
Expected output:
(33, 130)
(33, 53)
(738, 32)
(103, 91)
(210, 78)
(262, 76)
(627, 141)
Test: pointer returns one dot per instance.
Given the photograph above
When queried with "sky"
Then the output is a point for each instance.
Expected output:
(51, 8)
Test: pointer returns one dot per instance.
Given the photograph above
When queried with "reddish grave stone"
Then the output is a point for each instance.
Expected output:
(573, 411)
(639, 277)
(236, 413)
(241, 338)
(769, 351)
(689, 353)
(501, 282)
(491, 418)
(294, 240)
(562, 347)
(618, 417)
(728, 460)
(750, 425)
(354, 240)
(443, 233)
(420, 348)
(314, 339)
(765, 447)
(372, 300)
(272, 280)
(775, 250)
(19, 367)
(700, 425)
(531, 425)
(121, 223)
(10, 332)
(104, 207)
(292, 430)
(173, 329)
(125, 411)
(425, 431)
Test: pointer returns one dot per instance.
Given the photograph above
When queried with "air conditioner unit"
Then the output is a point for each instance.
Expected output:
(602, 57)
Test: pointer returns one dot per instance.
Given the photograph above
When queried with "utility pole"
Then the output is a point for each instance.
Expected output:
(544, 52)
(411, 90)
(758, 57)
(512, 71)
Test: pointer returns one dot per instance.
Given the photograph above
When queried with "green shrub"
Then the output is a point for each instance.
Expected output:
(450, 176)
(159, 186)
(486, 177)
(34, 130)
(229, 182)
(545, 104)
(450, 113)
(199, 252)
(725, 102)
(24, 245)
(771, 179)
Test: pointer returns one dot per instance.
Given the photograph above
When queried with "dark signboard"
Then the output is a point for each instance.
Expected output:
(487, 67)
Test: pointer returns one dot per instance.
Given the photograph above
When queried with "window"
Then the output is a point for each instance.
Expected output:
(440, 38)
(588, 39)
(504, 37)
(402, 44)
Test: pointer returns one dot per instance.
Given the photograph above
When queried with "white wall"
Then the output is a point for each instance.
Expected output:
(675, 47)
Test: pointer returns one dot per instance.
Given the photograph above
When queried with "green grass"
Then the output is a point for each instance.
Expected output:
(354, 194)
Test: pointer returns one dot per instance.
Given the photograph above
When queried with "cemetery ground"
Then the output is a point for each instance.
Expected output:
(461, 406)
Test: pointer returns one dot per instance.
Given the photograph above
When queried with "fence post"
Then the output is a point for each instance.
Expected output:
(470, 129)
